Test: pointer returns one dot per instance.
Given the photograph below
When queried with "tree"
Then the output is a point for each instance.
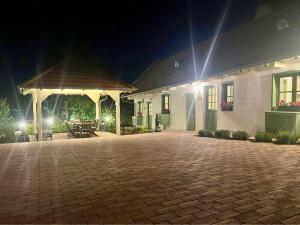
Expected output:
(7, 131)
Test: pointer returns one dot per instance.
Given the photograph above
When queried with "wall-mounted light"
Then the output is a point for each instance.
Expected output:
(197, 88)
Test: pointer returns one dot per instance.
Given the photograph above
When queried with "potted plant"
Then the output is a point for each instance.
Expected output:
(289, 106)
(226, 106)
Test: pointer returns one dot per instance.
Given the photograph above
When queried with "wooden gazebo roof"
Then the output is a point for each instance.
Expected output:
(76, 73)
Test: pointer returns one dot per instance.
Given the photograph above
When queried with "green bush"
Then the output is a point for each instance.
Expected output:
(263, 137)
(206, 133)
(7, 132)
(135, 130)
(7, 129)
(59, 127)
(286, 138)
(222, 134)
(240, 135)
(29, 129)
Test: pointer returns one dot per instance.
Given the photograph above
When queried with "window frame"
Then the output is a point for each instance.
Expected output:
(225, 98)
(276, 88)
(164, 109)
(139, 111)
(150, 112)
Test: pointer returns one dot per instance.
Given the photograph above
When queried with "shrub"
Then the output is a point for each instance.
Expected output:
(7, 129)
(29, 129)
(240, 135)
(59, 127)
(263, 137)
(7, 132)
(135, 130)
(222, 134)
(206, 133)
(285, 137)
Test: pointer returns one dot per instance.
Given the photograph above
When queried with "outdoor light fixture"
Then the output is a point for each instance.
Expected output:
(50, 120)
(21, 124)
(107, 118)
(198, 88)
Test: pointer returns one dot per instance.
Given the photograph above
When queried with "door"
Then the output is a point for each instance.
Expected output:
(149, 115)
(211, 108)
(190, 111)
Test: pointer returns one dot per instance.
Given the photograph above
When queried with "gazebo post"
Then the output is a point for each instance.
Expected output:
(34, 101)
(96, 98)
(39, 118)
(98, 113)
(118, 119)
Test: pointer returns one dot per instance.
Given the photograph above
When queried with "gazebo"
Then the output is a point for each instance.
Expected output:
(74, 76)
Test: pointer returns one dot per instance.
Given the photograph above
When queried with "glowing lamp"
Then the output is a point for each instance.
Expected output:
(198, 88)
(21, 124)
(107, 118)
(50, 120)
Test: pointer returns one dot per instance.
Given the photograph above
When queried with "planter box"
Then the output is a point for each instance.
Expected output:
(289, 108)
(227, 109)
(282, 121)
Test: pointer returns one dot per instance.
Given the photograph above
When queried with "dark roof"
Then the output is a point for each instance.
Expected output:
(254, 43)
(76, 73)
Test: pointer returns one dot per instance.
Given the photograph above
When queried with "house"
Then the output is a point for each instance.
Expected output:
(248, 80)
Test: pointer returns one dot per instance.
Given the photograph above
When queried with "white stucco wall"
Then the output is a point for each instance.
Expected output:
(252, 98)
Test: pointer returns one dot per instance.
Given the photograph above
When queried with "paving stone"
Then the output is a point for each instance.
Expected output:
(247, 217)
(167, 177)
(205, 220)
(163, 218)
(226, 214)
(292, 220)
(183, 219)
(272, 219)
(268, 210)
(205, 213)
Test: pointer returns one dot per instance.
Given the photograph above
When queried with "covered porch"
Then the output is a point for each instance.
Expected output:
(73, 76)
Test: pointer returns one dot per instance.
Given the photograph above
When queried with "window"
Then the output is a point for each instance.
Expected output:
(149, 108)
(139, 109)
(286, 90)
(211, 98)
(298, 89)
(165, 103)
(227, 97)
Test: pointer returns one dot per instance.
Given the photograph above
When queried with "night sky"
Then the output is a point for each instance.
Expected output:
(124, 36)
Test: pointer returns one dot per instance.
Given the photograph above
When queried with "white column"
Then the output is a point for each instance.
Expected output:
(98, 112)
(96, 98)
(34, 101)
(39, 115)
(118, 113)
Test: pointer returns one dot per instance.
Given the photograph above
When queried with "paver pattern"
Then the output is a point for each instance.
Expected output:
(168, 177)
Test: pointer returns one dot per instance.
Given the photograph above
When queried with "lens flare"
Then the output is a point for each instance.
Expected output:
(215, 38)
(50, 120)
(107, 118)
(21, 124)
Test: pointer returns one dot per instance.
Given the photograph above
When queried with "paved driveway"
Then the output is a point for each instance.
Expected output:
(149, 178)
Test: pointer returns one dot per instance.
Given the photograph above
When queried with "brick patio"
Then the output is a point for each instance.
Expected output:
(151, 178)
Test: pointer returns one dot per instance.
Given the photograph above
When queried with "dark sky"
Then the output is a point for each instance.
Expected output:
(125, 36)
